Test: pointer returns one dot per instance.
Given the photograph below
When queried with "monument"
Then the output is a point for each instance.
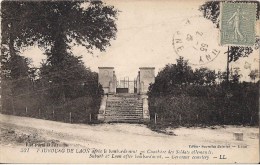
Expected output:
(123, 102)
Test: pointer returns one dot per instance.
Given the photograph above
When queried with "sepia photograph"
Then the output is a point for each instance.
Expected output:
(129, 81)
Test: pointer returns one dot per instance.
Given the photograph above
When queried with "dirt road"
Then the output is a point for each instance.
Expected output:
(17, 131)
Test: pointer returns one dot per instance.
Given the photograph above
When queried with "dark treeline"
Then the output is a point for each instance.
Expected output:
(62, 88)
(52, 94)
(183, 96)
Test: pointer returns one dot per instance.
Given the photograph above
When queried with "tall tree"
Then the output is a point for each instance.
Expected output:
(211, 11)
(66, 22)
(54, 26)
(172, 76)
(58, 23)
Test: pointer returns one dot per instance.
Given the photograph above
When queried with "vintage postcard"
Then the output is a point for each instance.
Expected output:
(129, 81)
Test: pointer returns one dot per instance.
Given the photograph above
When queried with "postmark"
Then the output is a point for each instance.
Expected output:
(196, 41)
(237, 23)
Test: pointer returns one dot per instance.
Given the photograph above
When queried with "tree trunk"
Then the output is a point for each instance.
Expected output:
(11, 42)
(228, 65)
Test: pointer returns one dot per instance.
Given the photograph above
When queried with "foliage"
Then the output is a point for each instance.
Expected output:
(239, 106)
(55, 24)
(203, 76)
(211, 11)
(253, 74)
(63, 80)
(174, 77)
(235, 52)
(208, 105)
(71, 79)
(203, 100)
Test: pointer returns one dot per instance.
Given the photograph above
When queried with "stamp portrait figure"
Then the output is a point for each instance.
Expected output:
(235, 21)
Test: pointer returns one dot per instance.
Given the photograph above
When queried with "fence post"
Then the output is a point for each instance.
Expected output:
(13, 105)
(90, 117)
(155, 118)
(180, 119)
(70, 117)
(26, 111)
(53, 114)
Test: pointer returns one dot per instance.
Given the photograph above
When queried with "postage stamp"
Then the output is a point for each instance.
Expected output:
(237, 23)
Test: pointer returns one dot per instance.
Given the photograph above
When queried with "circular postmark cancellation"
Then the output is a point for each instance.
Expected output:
(196, 41)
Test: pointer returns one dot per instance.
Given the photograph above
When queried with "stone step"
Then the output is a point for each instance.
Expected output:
(134, 101)
(124, 121)
(125, 112)
(121, 105)
(124, 109)
(109, 105)
(122, 101)
(129, 108)
(119, 99)
(123, 117)
(126, 104)
(126, 98)
(125, 95)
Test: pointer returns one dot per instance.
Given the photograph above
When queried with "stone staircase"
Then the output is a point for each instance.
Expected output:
(124, 108)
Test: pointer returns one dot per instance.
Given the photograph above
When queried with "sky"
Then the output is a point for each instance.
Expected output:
(145, 36)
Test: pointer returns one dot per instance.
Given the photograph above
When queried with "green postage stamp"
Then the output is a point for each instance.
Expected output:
(237, 23)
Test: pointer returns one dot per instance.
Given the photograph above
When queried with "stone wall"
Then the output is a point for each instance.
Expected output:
(107, 78)
(146, 76)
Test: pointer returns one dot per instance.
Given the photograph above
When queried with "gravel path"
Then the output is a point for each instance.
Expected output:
(17, 131)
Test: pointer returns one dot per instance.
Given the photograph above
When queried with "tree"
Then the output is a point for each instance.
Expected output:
(55, 26)
(68, 83)
(235, 76)
(211, 11)
(172, 76)
(253, 74)
(14, 30)
(204, 76)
